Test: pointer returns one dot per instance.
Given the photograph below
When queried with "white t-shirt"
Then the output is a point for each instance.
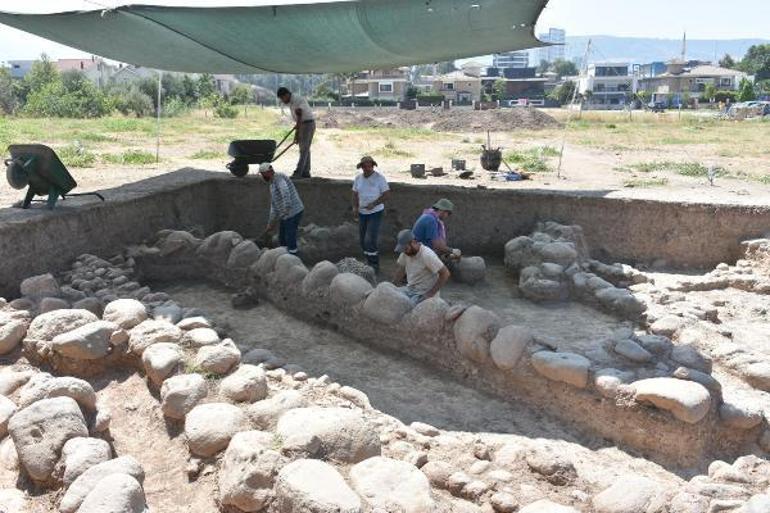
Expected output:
(298, 102)
(421, 269)
(369, 189)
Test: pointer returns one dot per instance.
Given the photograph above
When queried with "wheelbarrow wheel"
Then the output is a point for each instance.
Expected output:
(238, 168)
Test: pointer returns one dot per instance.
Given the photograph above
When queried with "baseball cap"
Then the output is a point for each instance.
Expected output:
(444, 204)
(404, 237)
(265, 167)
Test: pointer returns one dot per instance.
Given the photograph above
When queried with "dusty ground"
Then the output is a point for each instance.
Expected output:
(658, 156)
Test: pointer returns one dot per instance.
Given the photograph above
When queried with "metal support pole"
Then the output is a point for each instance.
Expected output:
(157, 128)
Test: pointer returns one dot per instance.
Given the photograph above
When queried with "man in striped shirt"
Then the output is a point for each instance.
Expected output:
(286, 207)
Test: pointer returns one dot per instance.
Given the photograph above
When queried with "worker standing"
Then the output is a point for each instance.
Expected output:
(370, 192)
(286, 207)
(304, 125)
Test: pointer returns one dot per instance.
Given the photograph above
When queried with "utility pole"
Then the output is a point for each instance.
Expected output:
(157, 128)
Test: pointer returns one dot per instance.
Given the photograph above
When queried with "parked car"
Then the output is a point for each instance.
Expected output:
(657, 106)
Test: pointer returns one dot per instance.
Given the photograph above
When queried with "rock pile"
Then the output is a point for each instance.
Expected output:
(553, 265)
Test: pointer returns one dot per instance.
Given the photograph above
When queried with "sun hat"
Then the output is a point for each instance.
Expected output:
(444, 204)
(365, 159)
(265, 167)
(404, 238)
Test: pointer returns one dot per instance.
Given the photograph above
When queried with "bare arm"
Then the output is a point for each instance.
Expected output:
(440, 247)
(400, 275)
(443, 277)
(382, 199)
(354, 203)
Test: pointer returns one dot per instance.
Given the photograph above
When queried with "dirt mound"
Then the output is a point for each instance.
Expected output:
(456, 120)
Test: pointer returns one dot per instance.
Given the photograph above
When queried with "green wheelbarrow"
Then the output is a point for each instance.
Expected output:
(38, 168)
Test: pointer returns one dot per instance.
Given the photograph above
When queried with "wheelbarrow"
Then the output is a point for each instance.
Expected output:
(38, 168)
(254, 151)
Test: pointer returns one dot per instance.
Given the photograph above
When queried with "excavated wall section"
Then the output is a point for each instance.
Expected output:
(684, 235)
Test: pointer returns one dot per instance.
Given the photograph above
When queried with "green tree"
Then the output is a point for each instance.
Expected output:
(324, 91)
(643, 96)
(206, 87)
(499, 89)
(446, 67)
(71, 95)
(757, 62)
(746, 91)
(241, 95)
(564, 68)
(543, 66)
(564, 92)
(189, 90)
(42, 73)
(727, 62)
(709, 92)
(9, 100)
(132, 101)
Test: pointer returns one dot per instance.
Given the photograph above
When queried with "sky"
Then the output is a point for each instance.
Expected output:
(701, 19)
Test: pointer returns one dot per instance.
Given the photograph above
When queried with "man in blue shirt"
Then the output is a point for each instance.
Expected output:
(429, 229)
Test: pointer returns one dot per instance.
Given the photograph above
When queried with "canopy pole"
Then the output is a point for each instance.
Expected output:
(157, 126)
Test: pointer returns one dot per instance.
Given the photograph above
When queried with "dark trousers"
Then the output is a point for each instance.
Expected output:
(369, 233)
(287, 232)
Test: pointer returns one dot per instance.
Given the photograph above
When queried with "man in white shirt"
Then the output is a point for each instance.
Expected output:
(370, 192)
(304, 123)
(424, 271)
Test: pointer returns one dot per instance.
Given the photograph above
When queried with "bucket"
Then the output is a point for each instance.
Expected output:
(491, 159)
(417, 170)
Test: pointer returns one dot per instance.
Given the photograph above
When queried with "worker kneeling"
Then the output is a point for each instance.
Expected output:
(430, 230)
(424, 271)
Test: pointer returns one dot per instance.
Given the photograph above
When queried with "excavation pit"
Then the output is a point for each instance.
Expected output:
(578, 388)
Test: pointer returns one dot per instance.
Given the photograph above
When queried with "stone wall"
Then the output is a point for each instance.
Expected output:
(38, 241)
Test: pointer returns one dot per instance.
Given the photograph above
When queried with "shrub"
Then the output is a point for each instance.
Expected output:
(72, 96)
(76, 155)
(174, 107)
(130, 157)
(222, 109)
(133, 101)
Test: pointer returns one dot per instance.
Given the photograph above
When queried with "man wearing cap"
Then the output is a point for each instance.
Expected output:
(304, 125)
(424, 271)
(370, 191)
(430, 230)
(286, 207)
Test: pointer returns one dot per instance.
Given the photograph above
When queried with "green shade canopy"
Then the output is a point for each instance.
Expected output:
(327, 37)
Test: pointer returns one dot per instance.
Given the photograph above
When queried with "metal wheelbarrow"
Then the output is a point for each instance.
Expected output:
(254, 151)
(37, 167)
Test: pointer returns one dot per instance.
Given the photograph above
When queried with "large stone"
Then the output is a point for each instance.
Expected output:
(266, 262)
(179, 394)
(199, 337)
(191, 323)
(13, 501)
(151, 332)
(668, 325)
(49, 304)
(12, 380)
(608, 380)
(633, 351)
(38, 287)
(44, 386)
(756, 504)
(91, 304)
(39, 432)
(319, 278)
(508, 346)
(116, 493)
(209, 427)
(243, 256)
(12, 332)
(386, 304)
(562, 253)
(80, 454)
(216, 248)
(88, 342)
(686, 400)
(249, 469)
(7, 409)
(473, 332)
(385, 483)
(564, 367)
(247, 384)
(169, 312)
(629, 494)
(740, 415)
(428, 316)
(344, 434)
(47, 326)
(177, 241)
(546, 506)
(265, 414)
(285, 262)
(219, 358)
(161, 361)
(349, 289)
(689, 356)
(90, 479)
(757, 375)
(470, 270)
(312, 486)
(126, 313)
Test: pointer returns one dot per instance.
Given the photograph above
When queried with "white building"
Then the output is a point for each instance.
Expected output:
(607, 85)
(518, 59)
(550, 53)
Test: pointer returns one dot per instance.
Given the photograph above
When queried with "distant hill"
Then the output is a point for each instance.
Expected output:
(641, 50)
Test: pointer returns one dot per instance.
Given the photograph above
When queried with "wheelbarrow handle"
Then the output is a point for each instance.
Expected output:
(286, 137)
(282, 152)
